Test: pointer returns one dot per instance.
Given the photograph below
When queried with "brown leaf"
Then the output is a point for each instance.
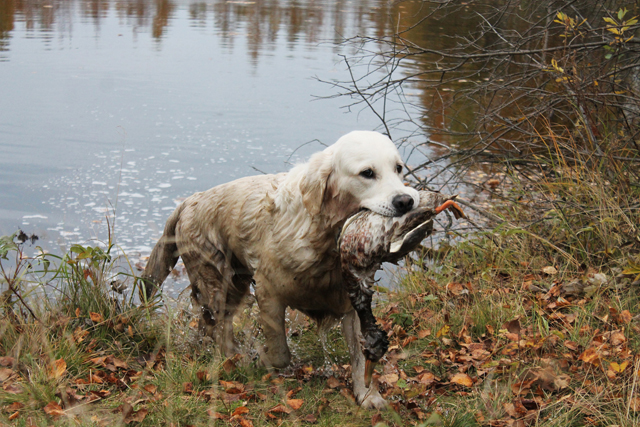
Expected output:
(295, 403)
(151, 388)
(456, 289)
(53, 409)
(240, 410)
(389, 379)
(232, 387)
(617, 338)
(280, 408)
(571, 345)
(427, 378)
(424, 333)
(550, 270)
(230, 364)
(333, 382)
(57, 369)
(5, 374)
(137, 416)
(8, 361)
(15, 406)
(591, 356)
(244, 422)
(625, 317)
(12, 388)
(203, 376)
(291, 393)
(513, 326)
(462, 379)
(311, 419)
(96, 317)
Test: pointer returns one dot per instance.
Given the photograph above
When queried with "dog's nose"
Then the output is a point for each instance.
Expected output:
(403, 203)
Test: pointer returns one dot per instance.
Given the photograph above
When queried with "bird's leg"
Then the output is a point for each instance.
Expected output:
(375, 343)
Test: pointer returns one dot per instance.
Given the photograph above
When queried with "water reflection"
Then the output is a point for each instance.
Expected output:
(260, 22)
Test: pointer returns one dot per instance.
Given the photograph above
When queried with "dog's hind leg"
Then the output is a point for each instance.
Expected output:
(275, 353)
(367, 397)
(235, 296)
(209, 290)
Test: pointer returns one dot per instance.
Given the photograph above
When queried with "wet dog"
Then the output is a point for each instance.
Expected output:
(278, 232)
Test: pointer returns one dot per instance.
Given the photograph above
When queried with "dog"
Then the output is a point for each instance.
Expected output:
(278, 232)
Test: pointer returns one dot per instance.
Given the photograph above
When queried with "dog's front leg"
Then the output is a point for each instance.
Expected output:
(367, 397)
(275, 353)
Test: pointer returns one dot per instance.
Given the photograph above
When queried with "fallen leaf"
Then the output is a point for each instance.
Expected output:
(15, 406)
(625, 317)
(591, 356)
(230, 364)
(571, 345)
(619, 368)
(550, 270)
(137, 416)
(5, 374)
(513, 326)
(151, 388)
(443, 331)
(232, 387)
(96, 317)
(462, 379)
(57, 369)
(617, 338)
(203, 376)
(244, 422)
(240, 410)
(280, 409)
(53, 409)
(7, 361)
(295, 403)
(311, 419)
(389, 379)
(424, 333)
(333, 382)
(427, 378)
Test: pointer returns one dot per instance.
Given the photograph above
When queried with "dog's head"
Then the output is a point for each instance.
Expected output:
(361, 170)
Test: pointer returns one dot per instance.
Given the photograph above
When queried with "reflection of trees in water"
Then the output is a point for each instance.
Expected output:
(7, 11)
(259, 22)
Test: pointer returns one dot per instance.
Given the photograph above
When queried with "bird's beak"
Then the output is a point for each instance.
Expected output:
(368, 372)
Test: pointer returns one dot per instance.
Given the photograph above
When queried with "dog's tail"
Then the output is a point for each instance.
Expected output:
(163, 258)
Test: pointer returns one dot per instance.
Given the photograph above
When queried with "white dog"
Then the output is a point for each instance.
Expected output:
(279, 232)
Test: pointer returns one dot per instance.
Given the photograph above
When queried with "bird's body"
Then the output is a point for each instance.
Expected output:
(369, 239)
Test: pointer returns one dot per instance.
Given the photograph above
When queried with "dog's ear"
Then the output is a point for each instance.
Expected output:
(314, 182)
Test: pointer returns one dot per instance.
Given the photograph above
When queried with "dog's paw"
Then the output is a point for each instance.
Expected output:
(374, 401)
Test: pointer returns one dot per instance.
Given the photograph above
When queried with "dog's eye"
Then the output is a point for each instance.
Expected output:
(368, 173)
(399, 168)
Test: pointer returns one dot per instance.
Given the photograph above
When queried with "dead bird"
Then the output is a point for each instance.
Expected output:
(369, 239)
